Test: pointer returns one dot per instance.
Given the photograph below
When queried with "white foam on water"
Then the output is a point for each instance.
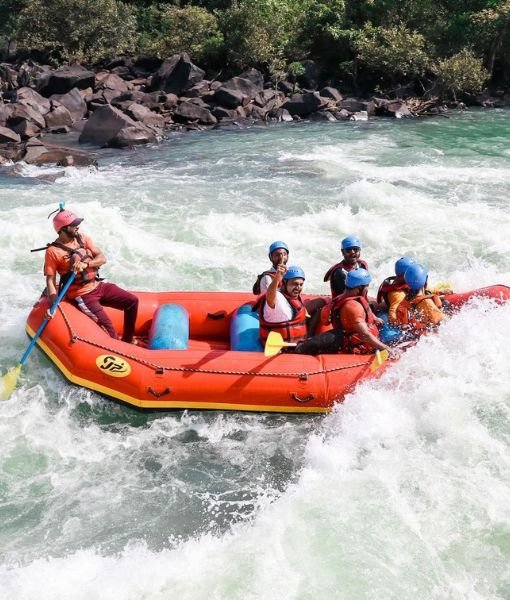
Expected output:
(402, 492)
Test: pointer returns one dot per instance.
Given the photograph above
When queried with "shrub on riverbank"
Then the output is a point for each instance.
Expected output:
(358, 45)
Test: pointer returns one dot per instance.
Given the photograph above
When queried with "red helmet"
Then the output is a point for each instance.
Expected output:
(64, 218)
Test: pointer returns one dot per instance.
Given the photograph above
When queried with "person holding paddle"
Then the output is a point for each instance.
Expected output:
(281, 308)
(74, 253)
(355, 327)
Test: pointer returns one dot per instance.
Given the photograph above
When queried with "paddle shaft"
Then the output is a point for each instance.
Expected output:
(62, 293)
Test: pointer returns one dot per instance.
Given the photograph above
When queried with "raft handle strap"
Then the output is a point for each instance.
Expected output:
(217, 316)
(159, 394)
(302, 400)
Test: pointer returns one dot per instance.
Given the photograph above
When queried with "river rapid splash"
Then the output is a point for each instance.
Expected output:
(402, 492)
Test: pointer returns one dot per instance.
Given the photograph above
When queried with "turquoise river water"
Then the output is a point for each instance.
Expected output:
(403, 491)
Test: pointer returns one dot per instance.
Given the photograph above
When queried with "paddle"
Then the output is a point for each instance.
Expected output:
(380, 357)
(275, 343)
(10, 379)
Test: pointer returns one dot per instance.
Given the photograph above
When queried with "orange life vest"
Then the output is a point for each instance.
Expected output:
(353, 342)
(387, 286)
(291, 331)
(78, 254)
(407, 313)
(345, 269)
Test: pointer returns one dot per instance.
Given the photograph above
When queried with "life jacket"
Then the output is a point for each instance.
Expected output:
(76, 254)
(353, 342)
(408, 313)
(256, 285)
(387, 286)
(291, 331)
(345, 269)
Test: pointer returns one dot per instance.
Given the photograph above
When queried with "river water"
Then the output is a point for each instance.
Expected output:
(401, 492)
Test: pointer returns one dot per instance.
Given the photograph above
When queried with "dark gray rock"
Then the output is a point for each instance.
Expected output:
(105, 125)
(304, 104)
(8, 135)
(74, 103)
(65, 79)
(176, 75)
(189, 111)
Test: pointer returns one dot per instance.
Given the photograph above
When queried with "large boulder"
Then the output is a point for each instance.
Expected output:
(239, 91)
(59, 117)
(189, 111)
(176, 75)
(105, 125)
(31, 98)
(304, 104)
(8, 135)
(65, 79)
(74, 103)
(25, 120)
(144, 115)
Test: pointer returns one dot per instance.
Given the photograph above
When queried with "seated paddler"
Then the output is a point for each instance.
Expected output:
(351, 250)
(394, 289)
(281, 308)
(355, 326)
(278, 253)
(420, 310)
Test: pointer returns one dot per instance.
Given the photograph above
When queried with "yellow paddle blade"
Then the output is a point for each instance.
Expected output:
(380, 357)
(274, 344)
(9, 381)
(443, 285)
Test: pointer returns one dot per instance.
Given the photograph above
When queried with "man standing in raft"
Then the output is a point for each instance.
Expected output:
(278, 254)
(72, 252)
(351, 250)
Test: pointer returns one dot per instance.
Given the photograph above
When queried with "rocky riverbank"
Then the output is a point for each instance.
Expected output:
(136, 101)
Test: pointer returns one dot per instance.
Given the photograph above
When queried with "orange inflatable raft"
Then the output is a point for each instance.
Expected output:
(203, 353)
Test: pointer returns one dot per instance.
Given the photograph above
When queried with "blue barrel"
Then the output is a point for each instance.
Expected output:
(244, 330)
(388, 334)
(170, 328)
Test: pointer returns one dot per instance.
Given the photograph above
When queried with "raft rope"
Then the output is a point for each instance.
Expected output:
(303, 375)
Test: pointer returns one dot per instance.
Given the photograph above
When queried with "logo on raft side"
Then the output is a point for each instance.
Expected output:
(113, 365)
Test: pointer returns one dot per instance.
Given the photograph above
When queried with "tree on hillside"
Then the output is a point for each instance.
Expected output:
(258, 32)
(393, 54)
(462, 72)
(190, 29)
(78, 29)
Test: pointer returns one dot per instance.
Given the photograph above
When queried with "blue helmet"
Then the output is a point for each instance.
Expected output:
(276, 246)
(350, 242)
(416, 276)
(357, 277)
(402, 264)
(294, 273)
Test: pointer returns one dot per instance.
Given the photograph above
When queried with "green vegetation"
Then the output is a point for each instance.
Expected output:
(359, 44)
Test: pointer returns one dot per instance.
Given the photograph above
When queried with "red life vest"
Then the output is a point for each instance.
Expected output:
(291, 331)
(345, 269)
(256, 285)
(388, 286)
(79, 254)
(407, 313)
(353, 342)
